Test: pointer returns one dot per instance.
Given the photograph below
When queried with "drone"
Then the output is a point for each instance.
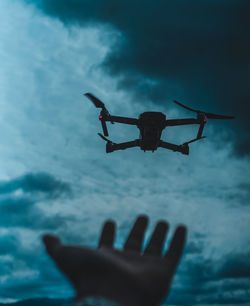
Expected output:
(151, 125)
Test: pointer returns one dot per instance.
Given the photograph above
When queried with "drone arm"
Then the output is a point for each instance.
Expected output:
(111, 147)
(170, 146)
(104, 127)
(175, 122)
(125, 120)
(199, 134)
(105, 116)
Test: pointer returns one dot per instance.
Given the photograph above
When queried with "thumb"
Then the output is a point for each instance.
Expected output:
(52, 243)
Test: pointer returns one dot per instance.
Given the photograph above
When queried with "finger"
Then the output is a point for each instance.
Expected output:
(135, 238)
(157, 239)
(107, 235)
(51, 243)
(177, 245)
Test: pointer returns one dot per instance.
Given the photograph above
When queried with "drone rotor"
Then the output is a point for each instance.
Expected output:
(204, 114)
(104, 112)
(104, 138)
(98, 103)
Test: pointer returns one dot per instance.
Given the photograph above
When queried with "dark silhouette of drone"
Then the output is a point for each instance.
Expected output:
(151, 125)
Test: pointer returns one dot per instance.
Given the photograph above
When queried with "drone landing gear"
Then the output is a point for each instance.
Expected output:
(184, 149)
(193, 140)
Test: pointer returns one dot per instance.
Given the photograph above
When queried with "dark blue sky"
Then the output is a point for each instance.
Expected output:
(55, 175)
(201, 46)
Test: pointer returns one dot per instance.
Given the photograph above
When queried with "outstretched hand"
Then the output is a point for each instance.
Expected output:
(129, 276)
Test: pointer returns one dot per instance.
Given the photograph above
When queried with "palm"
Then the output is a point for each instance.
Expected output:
(128, 277)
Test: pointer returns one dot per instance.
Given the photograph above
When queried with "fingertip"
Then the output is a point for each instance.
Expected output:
(177, 244)
(48, 239)
(181, 230)
(110, 227)
(136, 235)
(162, 224)
(141, 222)
(180, 234)
(107, 234)
(51, 242)
(143, 219)
(110, 223)
(157, 239)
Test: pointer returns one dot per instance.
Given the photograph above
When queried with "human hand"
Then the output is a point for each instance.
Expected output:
(129, 276)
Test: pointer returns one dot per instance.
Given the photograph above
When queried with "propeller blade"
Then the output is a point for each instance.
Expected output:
(104, 138)
(98, 103)
(184, 106)
(208, 115)
(214, 116)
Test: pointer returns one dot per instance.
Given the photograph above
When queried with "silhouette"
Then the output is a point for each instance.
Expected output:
(151, 125)
(129, 277)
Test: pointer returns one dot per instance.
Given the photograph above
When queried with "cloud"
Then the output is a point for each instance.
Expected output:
(41, 302)
(35, 183)
(53, 131)
(212, 282)
(194, 51)
(8, 244)
(22, 219)
(22, 209)
(236, 266)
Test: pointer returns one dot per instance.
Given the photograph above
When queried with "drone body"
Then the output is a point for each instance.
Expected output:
(151, 125)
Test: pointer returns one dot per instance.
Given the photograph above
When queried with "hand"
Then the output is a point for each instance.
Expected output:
(129, 276)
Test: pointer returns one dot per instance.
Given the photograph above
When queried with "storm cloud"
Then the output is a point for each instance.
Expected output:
(56, 177)
(35, 182)
(21, 208)
(20, 198)
(225, 281)
(195, 51)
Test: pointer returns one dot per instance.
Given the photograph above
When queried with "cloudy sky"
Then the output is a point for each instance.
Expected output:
(55, 175)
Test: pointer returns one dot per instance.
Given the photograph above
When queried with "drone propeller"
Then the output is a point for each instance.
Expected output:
(98, 103)
(104, 112)
(104, 138)
(208, 115)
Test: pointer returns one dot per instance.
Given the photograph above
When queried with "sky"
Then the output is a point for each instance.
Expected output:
(55, 175)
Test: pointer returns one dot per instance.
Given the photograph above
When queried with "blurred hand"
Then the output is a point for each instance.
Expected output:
(129, 277)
